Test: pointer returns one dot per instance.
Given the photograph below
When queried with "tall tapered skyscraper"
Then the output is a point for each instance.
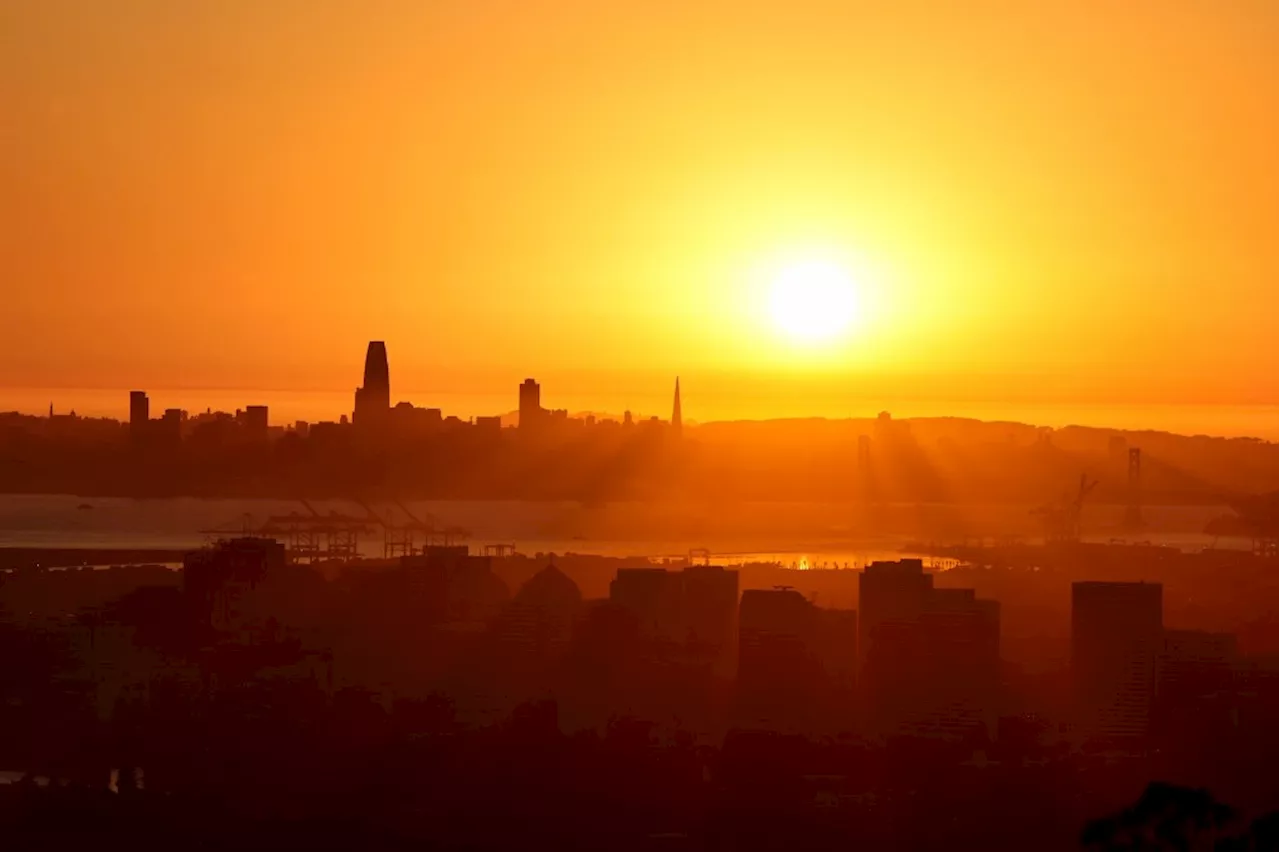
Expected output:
(373, 399)
(676, 423)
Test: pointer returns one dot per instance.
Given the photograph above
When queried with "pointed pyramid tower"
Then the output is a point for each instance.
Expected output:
(676, 424)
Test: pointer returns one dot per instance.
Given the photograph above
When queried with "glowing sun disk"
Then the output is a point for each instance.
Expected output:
(813, 301)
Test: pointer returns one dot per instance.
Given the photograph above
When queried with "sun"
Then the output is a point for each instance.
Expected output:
(813, 301)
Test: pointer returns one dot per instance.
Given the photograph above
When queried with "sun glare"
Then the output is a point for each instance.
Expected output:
(813, 301)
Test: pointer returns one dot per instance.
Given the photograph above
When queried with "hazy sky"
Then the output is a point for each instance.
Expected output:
(1052, 202)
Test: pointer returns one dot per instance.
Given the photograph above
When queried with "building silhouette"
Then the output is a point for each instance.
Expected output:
(255, 422)
(796, 663)
(693, 612)
(168, 428)
(889, 593)
(961, 663)
(373, 398)
(1193, 664)
(449, 584)
(531, 412)
(929, 659)
(534, 631)
(540, 617)
(139, 414)
(677, 423)
(654, 597)
(710, 607)
(1116, 636)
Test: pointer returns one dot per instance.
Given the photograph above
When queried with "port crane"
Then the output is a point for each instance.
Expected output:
(1061, 518)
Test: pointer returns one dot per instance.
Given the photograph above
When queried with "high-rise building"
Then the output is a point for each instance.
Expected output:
(710, 604)
(1116, 637)
(139, 413)
(448, 583)
(889, 593)
(255, 422)
(677, 423)
(168, 429)
(1194, 663)
(960, 663)
(929, 659)
(653, 596)
(538, 622)
(373, 398)
(796, 664)
(1202, 691)
(780, 673)
(694, 610)
(531, 412)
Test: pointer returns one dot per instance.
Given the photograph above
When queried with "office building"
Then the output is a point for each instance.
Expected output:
(796, 664)
(889, 593)
(537, 624)
(928, 659)
(531, 412)
(255, 422)
(710, 608)
(653, 596)
(373, 398)
(1116, 636)
(168, 429)
(693, 613)
(1193, 664)
(446, 583)
(139, 414)
(960, 663)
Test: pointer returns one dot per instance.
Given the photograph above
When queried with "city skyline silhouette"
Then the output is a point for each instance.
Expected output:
(1015, 234)
(732, 425)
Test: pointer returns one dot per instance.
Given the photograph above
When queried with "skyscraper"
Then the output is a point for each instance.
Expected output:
(373, 398)
(889, 593)
(255, 422)
(1194, 663)
(676, 421)
(710, 605)
(530, 404)
(960, 662)
(929, 658)
(139, 413)
(695, 609)
(1116, 636)
(795, 665)
(778, 672)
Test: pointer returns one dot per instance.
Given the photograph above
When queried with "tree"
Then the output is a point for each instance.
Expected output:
(1166, 818)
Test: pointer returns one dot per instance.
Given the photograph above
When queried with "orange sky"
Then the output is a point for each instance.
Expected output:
(1066, 203)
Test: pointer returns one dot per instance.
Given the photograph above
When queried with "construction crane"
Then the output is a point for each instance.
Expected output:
(1062, 518)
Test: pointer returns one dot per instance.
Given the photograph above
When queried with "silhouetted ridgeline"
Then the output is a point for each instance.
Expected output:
(882, 460)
